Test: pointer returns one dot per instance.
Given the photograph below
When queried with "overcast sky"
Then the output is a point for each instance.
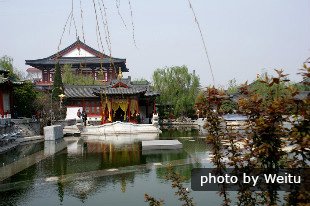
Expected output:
(243, 37)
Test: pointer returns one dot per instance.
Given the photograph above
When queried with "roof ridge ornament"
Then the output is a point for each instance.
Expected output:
(120, 74)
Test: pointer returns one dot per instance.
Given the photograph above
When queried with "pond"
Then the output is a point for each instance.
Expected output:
(78, 172)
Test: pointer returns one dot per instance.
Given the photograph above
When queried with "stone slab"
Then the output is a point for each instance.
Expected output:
(71, 131)
(161, 144)
(52, 133)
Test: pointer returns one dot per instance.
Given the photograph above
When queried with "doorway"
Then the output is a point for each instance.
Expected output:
(119, 115)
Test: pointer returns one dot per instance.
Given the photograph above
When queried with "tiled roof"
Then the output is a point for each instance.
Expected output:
(99, 58)
(118, 90)
(74, 91)
(7, 80)
(3, 80)
(75, 60)
(95, 91)
(80, 91)
(78, 43)
(151, 93)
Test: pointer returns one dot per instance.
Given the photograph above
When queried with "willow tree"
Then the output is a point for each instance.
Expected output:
(178, 88)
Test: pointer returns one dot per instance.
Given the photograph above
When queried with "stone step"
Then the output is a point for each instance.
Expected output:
(161, 144)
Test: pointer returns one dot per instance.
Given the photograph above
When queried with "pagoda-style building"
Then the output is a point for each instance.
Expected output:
(83, 59)
(114, 99)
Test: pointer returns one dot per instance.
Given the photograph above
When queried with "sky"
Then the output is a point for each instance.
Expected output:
(243, 37)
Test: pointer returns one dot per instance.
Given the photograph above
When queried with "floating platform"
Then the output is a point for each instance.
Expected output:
(119, 128)
(161, 144)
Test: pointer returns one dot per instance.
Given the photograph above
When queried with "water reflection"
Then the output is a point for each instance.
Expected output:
(88, 170)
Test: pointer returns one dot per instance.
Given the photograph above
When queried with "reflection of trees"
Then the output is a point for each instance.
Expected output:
(60, 168)
(174, 132)
(183, 170)
(21, 187)
(164, 156)
(192, 147)
(83, 189)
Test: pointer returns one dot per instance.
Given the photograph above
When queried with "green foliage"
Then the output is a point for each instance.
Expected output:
(232, 86)
(7, 63)
(176, 183)
(57, 85)
(228, 106)
(71, 78)
(269, 91)
(24, 95)
(267, 107)
(177, 87)
(140, 81)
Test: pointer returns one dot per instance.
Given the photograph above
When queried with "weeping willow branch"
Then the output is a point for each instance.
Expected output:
(118, 4)
(97, 27)
(82, 21)
(63, 31)
(203, 41)
(132, 24)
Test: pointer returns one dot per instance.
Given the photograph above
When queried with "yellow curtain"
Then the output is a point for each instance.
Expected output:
(133, 106)
(109, 108)
(123, 104)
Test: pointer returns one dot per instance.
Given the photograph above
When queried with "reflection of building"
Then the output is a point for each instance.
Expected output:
(114, 99)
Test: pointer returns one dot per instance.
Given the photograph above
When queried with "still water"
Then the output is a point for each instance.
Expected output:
(78, 172)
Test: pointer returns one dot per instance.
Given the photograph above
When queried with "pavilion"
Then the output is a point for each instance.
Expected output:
(114, 99)
(83, 60)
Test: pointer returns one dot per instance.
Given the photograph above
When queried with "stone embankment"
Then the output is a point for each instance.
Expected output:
(17, 132)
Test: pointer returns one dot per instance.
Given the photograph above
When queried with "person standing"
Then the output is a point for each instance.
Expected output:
(84, 117)
(79, 114)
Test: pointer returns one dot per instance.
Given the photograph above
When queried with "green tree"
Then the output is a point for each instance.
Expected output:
(232, 86)
(70, 78)
(177, 88)
(272, 90)
(23, 96)
(67, 76)
(7, 63)
(57, 85)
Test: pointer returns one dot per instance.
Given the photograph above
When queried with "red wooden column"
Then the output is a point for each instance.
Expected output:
(48, 76)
